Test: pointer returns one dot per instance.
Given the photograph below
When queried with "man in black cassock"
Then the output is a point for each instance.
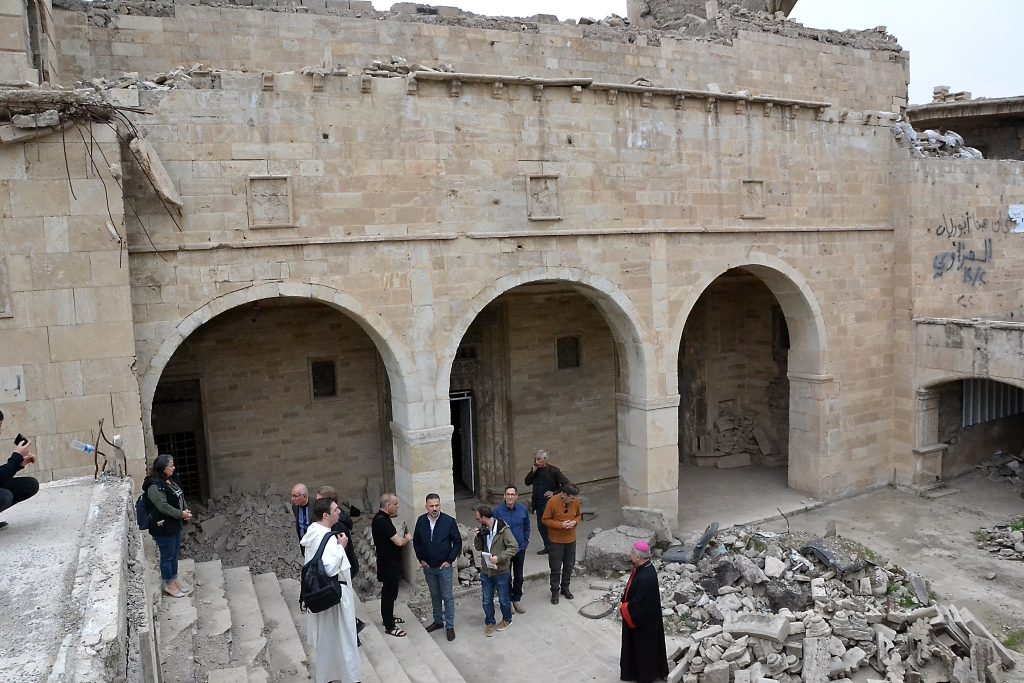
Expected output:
(643, 657)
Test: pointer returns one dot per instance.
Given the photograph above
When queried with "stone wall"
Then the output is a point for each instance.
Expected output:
(66, 341)
(970, 446)
(758, 62)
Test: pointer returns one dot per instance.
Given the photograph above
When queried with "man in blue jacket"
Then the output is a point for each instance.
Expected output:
(515, 514)
(437, 543)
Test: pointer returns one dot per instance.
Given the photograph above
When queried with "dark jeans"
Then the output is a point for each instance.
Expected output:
(439, 581)
(16, 490)
(561, 559)
(517, 575)
(390, 576)
(488, 584)
(169, 547)
(538, 509)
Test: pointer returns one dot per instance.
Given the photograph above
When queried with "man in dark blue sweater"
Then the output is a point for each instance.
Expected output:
(437, 543)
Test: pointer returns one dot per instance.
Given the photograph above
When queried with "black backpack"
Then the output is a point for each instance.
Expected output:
(143, 510)
(318, 591)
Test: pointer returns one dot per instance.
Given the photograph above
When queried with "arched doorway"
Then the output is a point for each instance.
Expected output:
(536, 369)
(576, 382)
(753, 388)
(962, 422)
(273, 391)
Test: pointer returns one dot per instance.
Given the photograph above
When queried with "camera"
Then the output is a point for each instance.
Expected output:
(484, 531)
(19, 439)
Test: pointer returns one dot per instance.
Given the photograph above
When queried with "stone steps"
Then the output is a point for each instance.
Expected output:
(236, 628)
(248, 643)
(285, 652)
(177, 627)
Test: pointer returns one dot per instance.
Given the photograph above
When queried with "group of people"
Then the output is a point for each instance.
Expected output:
(501, 538)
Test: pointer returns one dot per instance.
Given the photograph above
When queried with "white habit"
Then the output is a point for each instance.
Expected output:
(332, 633)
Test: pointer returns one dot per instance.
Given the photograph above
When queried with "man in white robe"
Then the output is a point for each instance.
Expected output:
(332, 633)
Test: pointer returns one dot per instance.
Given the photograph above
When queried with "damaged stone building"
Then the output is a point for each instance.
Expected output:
(406, 249)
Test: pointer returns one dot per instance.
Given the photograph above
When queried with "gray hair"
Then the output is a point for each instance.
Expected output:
(386, 498)
(542, 454)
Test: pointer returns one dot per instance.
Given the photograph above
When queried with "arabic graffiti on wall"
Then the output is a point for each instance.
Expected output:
(970, 252)
(964, 260)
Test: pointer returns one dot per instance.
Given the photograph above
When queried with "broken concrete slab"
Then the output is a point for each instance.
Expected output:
(150, 164)
(772, 627)
(648, 518)
(44, 119)
(828, 556)
(610, 549)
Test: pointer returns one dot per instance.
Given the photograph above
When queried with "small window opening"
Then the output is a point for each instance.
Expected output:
(568, 352)
(324, 379)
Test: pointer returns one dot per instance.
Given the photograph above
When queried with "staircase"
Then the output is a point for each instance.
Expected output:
(238, 628)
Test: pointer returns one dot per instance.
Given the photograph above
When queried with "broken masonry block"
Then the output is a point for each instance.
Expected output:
(411, 86)
(612, 96)
(577, 93)
(455, 88)
(268, 81)
(365, 83)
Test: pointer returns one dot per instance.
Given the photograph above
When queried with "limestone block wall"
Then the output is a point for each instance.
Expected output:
(760, 62)
(569, 412)
(66, 339)
(263, 425)
(969, 446)
(958, 296)
(15, 46)
(413, 211)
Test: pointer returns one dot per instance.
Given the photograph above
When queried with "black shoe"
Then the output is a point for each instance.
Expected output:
(360, 625)
(433, 627)
(554, 598)
(567, 593)
(542, 552)
(451, 634)
(3, 525)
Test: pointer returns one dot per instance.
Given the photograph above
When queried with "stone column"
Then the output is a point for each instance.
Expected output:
(809, 456)
(649, 453)
(423, 464)
(928, 452)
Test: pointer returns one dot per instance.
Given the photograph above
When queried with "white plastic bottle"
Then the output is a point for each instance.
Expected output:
(84, 447)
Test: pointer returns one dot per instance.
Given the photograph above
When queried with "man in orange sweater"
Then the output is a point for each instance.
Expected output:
(561, 517)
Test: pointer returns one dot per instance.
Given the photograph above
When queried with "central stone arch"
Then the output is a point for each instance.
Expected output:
(810, 384)
(645, 440)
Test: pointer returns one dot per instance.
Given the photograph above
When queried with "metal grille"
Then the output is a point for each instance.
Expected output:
(985, 400)
(182, 446)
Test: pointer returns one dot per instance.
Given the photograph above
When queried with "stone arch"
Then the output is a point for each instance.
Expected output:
(618, 310)
(810, 383)
(395, 357)
(803, 313)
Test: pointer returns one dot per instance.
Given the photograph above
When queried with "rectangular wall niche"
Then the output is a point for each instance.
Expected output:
(752, 202)
(567, 352)
(323, 378)
(542, 193)
(270, 202)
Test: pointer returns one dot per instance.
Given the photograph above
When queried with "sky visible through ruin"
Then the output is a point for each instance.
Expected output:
(973, 46)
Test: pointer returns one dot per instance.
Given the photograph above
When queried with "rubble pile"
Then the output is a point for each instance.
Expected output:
(1005, 540)
(178, 77)
(737, 443)
(1004, 467)
(395, 66)
(791, 607)
(258, 531)
(941, 93)
(932, 143)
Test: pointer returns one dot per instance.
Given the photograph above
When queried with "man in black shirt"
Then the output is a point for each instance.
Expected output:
(388, 544)
(545, 479)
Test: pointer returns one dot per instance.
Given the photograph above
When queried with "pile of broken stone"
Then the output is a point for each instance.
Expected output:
(789, 608)
(932, 143)
(258, 530)
(1005, 540)
(178, 77)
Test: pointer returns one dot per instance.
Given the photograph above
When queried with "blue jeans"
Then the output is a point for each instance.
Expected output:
(487, 585)
(439, 581)
(169, 547)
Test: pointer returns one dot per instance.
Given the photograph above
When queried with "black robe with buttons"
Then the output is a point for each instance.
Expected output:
(643, 657)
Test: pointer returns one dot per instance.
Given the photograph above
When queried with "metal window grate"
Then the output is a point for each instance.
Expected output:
(986, 400)
(568, 352)
(324, 378)
(182, 447)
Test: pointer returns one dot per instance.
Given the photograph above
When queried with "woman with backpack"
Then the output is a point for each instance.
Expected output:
(168, 516)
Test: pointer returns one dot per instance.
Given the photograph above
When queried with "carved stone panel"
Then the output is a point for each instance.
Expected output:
(752, 201)
(270, 202)
(542, 191)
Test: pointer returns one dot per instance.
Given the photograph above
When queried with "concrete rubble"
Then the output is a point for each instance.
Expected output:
(258, 531)
(1004, 466)
(932, 143)
(1004, 540)
(765, 607)
(738, 442)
